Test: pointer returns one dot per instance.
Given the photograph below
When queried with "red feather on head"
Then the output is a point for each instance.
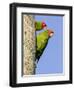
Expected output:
(43, 24)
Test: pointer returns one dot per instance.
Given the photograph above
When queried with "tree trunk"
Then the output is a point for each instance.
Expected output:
(29, 45)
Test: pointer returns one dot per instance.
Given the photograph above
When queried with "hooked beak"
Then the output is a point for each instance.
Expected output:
(50, 33)
(45, 28)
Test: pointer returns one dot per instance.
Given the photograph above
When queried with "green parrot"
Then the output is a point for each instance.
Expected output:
(42, 40)
(40, 25)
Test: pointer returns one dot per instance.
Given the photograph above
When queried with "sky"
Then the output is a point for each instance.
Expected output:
(51, 61)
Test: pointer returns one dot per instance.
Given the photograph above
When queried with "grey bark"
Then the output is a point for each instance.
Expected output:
(29, 45)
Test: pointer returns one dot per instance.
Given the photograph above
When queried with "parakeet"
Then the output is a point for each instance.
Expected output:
(42, 40)
(39, 25)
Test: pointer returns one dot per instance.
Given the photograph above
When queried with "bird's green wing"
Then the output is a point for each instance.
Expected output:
(42, 40)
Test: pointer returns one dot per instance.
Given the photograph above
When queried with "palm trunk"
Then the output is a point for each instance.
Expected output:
(28, 45)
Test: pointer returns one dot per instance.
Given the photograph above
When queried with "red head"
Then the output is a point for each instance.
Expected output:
(50, 33)
(43, 25)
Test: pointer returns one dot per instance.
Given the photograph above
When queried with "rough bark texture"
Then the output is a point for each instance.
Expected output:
(28, 45)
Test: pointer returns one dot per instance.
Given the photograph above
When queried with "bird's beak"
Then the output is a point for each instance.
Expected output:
(50, 33)
(45, 28)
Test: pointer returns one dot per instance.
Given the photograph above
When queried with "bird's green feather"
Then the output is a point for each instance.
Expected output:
(42, 40)
(38, 25)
